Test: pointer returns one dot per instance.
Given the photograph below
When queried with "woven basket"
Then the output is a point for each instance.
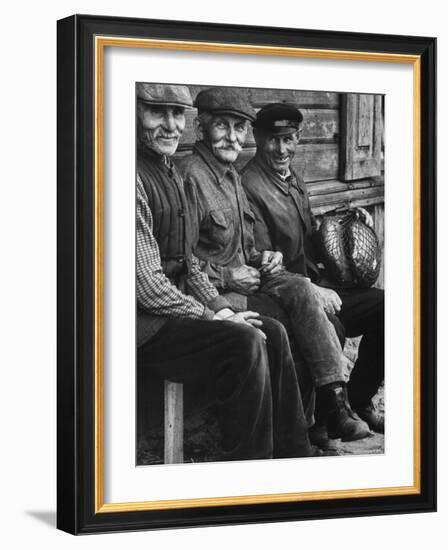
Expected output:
(350, 250)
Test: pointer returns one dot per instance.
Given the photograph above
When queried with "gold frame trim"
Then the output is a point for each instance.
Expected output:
(101, 42)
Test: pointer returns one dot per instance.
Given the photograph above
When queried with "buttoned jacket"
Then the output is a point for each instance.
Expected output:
(225, 222)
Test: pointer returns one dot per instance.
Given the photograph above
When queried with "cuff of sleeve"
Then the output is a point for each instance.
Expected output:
(208, 314)
(218, 303)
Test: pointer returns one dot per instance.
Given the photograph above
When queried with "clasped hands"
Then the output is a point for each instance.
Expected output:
(246, 279)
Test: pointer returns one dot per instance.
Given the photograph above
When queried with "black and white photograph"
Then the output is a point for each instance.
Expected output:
(223, 294)
(259, 273)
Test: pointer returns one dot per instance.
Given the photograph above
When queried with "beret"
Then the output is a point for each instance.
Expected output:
(164, 94)
(278, 118)
(224, 100)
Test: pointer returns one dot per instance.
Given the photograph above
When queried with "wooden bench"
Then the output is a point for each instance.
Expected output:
(174, 423)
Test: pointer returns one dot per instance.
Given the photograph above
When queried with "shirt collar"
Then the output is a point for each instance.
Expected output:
(283, 184)
(219, 169)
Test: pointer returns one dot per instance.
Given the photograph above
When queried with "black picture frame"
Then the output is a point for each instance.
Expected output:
(77, 502)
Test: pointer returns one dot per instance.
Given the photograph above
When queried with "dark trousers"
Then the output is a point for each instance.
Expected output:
(268, 305)
(256, 387)
(362, 313)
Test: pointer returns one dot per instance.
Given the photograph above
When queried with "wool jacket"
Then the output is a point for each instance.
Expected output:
(224, 220)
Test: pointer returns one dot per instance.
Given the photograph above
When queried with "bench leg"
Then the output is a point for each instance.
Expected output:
(174, 423)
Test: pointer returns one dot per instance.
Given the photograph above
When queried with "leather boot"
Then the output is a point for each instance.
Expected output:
(370, 415)
(341, 420)
(319, 437)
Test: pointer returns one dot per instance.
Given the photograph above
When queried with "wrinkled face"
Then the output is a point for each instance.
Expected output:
(224, 135)
(159, 127)
(278, 151)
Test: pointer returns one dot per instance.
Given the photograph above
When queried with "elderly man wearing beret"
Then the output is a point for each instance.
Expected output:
(186, 331)
(284, 222)
(247, 277)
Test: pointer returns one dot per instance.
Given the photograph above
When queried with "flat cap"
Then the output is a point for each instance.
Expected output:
(278, 119)
(224, 101)
(164, 94)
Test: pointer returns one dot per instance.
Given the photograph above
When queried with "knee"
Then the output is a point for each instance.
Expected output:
(300, 291)
(248, 343)
(276, 333)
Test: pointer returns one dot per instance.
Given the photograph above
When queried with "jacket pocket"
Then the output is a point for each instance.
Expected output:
(220, 224)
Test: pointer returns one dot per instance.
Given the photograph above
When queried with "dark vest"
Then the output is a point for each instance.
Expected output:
(171, 223)
(171, 228)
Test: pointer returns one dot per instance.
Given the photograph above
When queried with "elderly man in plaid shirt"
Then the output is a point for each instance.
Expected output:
(186, 331)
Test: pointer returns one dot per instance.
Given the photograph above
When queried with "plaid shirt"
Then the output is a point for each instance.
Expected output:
(156, 294)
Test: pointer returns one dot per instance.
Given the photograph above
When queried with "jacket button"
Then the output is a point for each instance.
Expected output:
(181, 213)
(180, 260)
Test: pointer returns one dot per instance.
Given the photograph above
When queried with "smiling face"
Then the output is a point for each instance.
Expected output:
(223, 134)
(159, 127)
(278, 151)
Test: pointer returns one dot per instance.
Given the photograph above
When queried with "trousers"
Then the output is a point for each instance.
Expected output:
(255, 384)
(362, 313)
(290, 299)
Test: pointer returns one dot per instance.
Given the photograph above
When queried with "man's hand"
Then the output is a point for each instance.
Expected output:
(244, 279)
(365, 216)
(223, 314)
(329, 299)
(246, 318)
(271, 262)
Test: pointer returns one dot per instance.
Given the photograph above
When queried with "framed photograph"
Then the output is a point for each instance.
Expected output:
(246, 274)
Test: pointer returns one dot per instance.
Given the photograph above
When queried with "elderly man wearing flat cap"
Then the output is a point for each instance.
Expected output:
(186, 331)
(284, 222)
(245, 276)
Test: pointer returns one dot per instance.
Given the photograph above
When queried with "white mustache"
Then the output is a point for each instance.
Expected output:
(169, 136)
(236, 148)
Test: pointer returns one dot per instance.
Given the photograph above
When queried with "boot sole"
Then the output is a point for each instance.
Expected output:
(350, 437)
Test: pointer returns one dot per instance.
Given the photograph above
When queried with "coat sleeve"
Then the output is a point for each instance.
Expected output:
(203, 289)
(261, 232)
